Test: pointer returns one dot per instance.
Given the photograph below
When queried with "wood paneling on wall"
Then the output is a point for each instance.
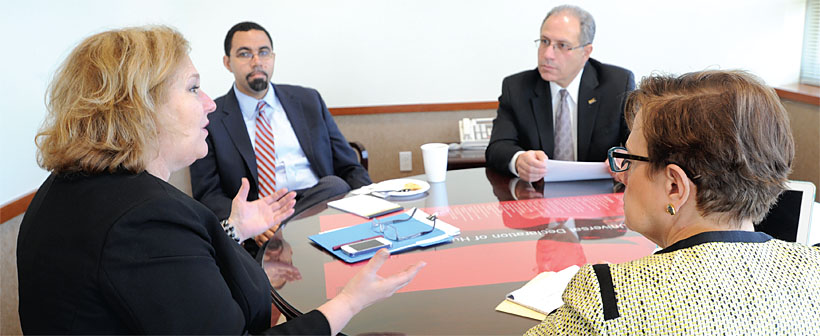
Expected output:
(385, 135)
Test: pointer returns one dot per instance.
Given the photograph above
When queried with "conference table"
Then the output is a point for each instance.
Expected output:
(510, 231)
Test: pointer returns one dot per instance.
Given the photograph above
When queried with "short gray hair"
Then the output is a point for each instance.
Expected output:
(586, 20)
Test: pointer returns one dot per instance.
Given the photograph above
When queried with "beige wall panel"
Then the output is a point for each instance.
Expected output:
(385, 135)
(805, 122)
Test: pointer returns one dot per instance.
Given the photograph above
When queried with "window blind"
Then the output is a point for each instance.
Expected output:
(810, 64)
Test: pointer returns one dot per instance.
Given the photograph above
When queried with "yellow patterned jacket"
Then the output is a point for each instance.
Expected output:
(726, 282)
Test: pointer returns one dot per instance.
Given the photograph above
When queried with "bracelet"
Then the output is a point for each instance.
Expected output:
(229, 230)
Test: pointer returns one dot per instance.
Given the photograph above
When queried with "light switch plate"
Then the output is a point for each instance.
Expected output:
(405, 161)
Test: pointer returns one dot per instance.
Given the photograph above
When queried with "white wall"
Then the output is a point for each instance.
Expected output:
(379, 52)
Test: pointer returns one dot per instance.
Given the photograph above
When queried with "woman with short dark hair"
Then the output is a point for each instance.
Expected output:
(708, 155)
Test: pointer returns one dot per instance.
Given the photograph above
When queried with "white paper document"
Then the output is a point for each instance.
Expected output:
(365, 206)
(558, 171)
(543, 293)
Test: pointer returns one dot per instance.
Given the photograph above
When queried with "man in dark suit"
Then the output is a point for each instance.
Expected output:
(288, 127)
(569, 108)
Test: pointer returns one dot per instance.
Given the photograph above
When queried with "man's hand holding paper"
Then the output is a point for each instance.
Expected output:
(576, 171)
(531, 165)
(534, 165)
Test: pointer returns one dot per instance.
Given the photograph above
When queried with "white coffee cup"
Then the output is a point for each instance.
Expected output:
(435, 161)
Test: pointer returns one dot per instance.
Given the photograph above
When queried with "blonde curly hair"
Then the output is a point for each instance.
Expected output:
(103, 100)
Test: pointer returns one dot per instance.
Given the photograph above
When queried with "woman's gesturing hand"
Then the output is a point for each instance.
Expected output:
(364, 289)
(262, 215)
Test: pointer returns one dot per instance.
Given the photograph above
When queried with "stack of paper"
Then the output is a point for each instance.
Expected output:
(576, 171)
(539, 296)
(365, 206)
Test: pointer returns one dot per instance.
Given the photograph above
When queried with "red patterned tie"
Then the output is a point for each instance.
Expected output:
(265, 153)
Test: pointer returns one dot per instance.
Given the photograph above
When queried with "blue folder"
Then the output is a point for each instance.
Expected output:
(328, 240)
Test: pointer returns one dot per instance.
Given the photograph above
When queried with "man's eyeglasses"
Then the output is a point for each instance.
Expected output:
(620, 160)
(247, 55)
(390, 232)
(557, 46)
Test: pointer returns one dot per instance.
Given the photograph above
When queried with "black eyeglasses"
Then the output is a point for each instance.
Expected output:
(390, 231)
(620, 161)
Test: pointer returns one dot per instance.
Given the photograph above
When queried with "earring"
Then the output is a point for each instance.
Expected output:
(670, 209)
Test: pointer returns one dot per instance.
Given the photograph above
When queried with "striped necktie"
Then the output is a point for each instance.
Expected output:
(265, 153)
(563, 129)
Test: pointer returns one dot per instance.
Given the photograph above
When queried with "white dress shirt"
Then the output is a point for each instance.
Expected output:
(292, 167)
(572, 93)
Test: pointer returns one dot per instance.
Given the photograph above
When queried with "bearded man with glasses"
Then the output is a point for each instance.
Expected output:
(570, 108)
(274, 135)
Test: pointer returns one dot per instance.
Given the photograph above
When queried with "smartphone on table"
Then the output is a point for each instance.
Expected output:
(365, 246)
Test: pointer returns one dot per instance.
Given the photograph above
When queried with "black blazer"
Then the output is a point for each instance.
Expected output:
(131, 254)
(216, 178)
(524, 120)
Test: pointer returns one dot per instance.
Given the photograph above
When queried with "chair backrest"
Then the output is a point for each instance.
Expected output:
(361, 151)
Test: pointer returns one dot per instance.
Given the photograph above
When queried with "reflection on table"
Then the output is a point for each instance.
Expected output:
(278, 262)
(511, 231)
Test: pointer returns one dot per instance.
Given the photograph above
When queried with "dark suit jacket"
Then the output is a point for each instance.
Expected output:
(124, 253)
(216, 178)
(524, 120)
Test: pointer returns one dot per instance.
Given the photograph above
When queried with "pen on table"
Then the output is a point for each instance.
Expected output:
(355, 241)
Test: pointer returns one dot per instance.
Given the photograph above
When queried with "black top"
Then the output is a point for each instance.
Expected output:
(124, 253)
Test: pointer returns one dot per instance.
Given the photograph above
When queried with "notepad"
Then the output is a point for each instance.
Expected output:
(509, 307)
(365, 206)
(543, 293)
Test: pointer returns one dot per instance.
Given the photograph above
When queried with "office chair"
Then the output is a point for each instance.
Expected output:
(361, 151)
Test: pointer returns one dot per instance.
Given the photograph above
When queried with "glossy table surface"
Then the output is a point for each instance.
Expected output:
(504, 242)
